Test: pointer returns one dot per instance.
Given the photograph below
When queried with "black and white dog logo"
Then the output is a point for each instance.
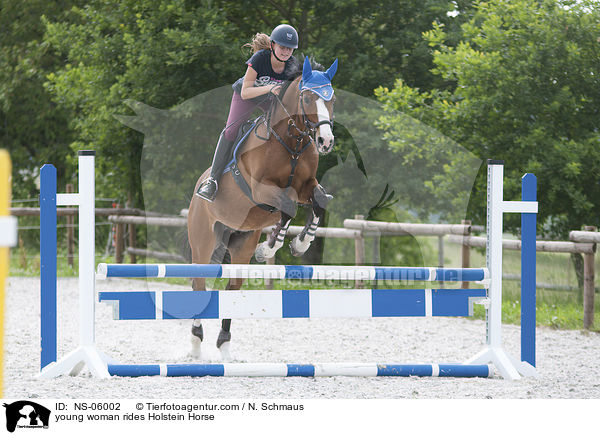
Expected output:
(26, 414)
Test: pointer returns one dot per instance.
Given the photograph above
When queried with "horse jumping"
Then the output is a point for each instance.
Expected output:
(280, 171)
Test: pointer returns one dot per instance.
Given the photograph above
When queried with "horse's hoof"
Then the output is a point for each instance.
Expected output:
(259, 257)
(263, 252)
(298, 248)
(259, 254)
(295, 252)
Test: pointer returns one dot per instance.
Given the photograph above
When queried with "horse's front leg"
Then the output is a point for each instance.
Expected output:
(268, 193)
(269, 247)
(302, 241)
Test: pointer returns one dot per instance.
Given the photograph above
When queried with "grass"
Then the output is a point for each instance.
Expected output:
(560, 309)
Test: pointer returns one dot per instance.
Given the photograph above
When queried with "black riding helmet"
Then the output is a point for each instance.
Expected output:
(285, 35)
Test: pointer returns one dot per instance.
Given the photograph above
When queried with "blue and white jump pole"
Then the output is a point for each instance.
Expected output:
(287, 303)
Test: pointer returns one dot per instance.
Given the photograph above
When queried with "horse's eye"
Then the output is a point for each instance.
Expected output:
(307, 99)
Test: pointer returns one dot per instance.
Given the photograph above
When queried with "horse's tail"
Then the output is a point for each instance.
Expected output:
(220, 255)
(186, 248)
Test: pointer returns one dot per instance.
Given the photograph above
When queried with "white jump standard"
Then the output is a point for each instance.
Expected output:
(337, 303)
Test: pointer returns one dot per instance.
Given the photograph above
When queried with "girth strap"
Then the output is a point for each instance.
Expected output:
(245, 188)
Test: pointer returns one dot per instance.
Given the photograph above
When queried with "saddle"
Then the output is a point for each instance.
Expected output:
(245, 130)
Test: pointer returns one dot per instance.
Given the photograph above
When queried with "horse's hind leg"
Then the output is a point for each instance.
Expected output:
(202, 242)
(197, 331)
(221, 235)
(302, 241)
(241, 248)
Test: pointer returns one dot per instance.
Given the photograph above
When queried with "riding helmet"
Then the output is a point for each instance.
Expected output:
(285, 35)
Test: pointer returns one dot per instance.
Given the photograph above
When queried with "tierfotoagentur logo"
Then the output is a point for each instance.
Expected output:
(26, 414)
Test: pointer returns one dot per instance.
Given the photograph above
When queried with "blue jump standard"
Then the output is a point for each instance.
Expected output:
(290, 272)
(187, 304)
(302, 370)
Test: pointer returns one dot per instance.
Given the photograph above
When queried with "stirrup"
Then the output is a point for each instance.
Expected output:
(208, 189)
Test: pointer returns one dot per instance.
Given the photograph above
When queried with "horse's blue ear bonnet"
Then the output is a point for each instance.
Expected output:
(317, 81)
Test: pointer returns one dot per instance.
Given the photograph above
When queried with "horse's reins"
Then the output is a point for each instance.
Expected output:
(311, 128)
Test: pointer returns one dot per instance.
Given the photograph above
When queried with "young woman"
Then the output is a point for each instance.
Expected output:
(269, 66)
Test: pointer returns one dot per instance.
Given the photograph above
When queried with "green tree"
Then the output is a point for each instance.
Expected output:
(33, 127)
(524, 89)
(374, 41)
(163, 53)
(156, 52)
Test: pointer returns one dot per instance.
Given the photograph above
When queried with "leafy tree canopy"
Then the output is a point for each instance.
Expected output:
(525, 89)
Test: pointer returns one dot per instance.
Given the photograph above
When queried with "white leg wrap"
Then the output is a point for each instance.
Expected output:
(196, 350)
(264, 251)
(225, 354)
(298, 246)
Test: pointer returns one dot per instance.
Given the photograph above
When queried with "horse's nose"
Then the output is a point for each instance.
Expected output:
(325, 144)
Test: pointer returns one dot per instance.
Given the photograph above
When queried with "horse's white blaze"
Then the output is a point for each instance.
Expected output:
(325, 133)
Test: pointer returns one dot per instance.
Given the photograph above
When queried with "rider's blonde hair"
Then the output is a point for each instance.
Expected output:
(260, 41)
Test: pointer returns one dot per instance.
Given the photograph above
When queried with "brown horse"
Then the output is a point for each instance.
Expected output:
(281, 173)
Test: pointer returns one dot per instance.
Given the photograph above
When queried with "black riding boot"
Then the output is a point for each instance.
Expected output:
(208, 189)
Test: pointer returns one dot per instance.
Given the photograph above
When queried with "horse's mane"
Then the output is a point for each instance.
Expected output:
(297, 67)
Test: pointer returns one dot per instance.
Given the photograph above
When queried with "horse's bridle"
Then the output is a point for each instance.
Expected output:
(309, 131)
(313, 126)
